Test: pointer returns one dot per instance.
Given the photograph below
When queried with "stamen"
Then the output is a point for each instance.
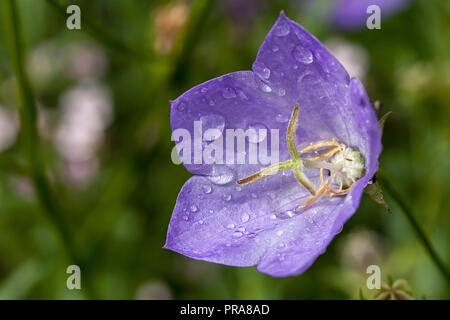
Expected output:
(331, 190)
(319, 192)
(320, 145)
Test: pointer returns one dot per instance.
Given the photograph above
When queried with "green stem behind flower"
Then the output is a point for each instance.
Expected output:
(29, 132)
(382, 178)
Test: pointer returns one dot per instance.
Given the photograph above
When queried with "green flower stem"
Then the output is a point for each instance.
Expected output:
(384, 181)
(29, 132)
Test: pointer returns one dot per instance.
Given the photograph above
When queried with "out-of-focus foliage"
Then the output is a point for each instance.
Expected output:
(104, 126)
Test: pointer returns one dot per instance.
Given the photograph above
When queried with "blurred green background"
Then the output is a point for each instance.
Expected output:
(102, 95)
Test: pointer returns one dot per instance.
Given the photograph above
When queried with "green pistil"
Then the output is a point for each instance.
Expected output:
(296, 164)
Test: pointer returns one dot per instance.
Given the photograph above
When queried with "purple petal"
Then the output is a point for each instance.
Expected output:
(216, 220)
(352, 14)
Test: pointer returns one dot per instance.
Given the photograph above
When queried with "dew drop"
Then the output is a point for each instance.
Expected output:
(238, 188)
(200, 222)
(207, 189)
(221, 175)
(215, 122)
(281, 92)
(237, 234)
(275, 49)
(266, 88)
(204, 90)
(228, 92)
(231, 226)
(185, 218)
(261, 70)
(281, 118)
(302, 55)
(282, 30)
(280, 232)
(245, 217)
(194, 208)
(227, 197)
(241, 229)
(181, 106)
(273, 217)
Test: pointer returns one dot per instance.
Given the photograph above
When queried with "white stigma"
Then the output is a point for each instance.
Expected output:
(350, 164)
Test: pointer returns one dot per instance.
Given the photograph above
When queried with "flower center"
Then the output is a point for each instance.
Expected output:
(345, 165)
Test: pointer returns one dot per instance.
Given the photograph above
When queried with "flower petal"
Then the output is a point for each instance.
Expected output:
(232, 101)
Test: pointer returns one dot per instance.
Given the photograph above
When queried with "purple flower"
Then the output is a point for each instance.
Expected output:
(352, 14)
(284, 222)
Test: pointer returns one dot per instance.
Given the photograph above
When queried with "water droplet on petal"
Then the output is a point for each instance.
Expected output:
(185, 218)
(245, 217)
(238, 188)
(302, 54)
(200, 222)
(221, 175)
(215, 122)
(237, 234)
(231, 226)
(181, 106)
(266, 88)
(228, 92)
(281, 92)
(275, 49)
(281, 118)
(227, 197)
(241, 229)
(207, 189)
(282, 30)
(204, 90)
(261, 70)
(194, 208)
(273, 217)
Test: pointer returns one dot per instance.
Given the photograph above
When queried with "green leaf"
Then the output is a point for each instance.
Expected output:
(375, 193)
(383, 119)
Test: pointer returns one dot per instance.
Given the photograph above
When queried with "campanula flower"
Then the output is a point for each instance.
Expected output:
(279, 215)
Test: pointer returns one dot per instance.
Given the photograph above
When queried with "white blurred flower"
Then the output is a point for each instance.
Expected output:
(352, 56)
(9, 126)
(45, 63)
(86, 113)
(361, 249)
(154, 290)
(85, 61)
